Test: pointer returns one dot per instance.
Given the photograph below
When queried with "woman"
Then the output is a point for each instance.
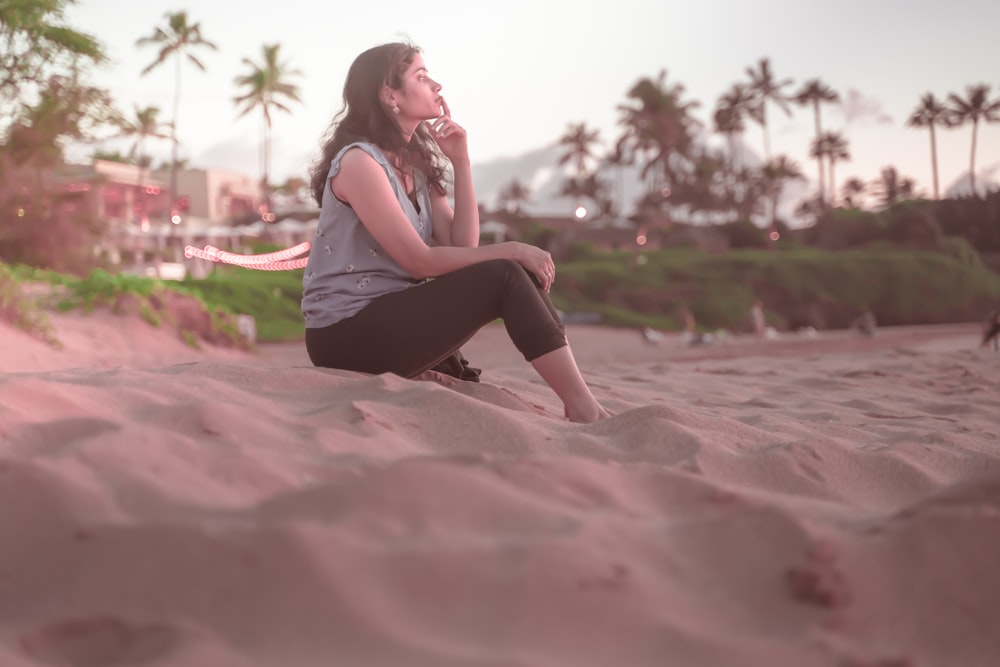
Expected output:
(396, 281)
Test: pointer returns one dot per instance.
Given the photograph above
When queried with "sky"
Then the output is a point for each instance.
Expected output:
(517, 73)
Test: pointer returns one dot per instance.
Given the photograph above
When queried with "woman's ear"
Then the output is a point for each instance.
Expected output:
(387, 96)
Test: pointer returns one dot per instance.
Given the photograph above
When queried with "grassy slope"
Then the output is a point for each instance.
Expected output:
(798, 287)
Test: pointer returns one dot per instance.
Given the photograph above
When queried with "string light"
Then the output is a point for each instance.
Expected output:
(280, 260)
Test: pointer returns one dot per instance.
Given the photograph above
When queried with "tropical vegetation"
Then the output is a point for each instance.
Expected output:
(47, 98)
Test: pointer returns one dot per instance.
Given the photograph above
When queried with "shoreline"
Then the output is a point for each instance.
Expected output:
(596, 345)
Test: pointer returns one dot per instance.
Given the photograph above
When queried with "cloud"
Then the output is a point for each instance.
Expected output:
(240, 155)
(858, 108)
(987, 180)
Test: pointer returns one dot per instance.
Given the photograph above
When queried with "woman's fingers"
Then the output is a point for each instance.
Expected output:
(444, 127)
(547, 276)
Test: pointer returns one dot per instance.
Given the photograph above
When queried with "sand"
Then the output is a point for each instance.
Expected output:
(829, 501)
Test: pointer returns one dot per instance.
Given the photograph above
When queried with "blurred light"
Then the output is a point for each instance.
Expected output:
(176, 219)
(151, 190)
(144, 225)
(268, 217)
(665, 192)
(280, 260)
(20, 212)
(641, 239)
(774, 236)
(581, 212)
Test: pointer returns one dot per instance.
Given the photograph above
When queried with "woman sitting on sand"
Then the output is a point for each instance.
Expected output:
(396, 281)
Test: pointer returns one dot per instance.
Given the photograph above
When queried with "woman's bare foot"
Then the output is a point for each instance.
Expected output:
(589, 414)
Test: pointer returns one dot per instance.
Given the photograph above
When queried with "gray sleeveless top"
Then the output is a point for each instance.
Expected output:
(347, 267)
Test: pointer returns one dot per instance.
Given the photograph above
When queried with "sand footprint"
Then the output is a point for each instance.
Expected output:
(102, 641)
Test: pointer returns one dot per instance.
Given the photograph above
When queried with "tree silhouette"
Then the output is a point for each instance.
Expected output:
(731, 109)
(578, 141)
(814, 92)
(852, 190)
(975, 107)
(892, 187)
(776, 173)
(658, 127)
(513, 196)
(931, 113)
(832, 146)
(766, 88)
(266, 88)
(143, 125)
(176, 39)
(590, 187)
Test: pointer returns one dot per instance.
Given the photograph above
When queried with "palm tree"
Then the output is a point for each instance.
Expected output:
(833, 146)
(852, 190)
(893, 187)
(578, 141)
(266, 85)
(930, 113)
(766, 89)
(730, 110)
(658, 127)
(616, 160)
(143, 125)
(513, 196)
(593, 188)
(975, 107)
(175, 39)
(815, 92)
(776, 173)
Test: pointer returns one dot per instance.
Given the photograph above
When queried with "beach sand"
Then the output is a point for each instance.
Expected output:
(804, 502)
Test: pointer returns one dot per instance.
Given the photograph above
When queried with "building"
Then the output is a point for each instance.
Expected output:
(122, 194)
(129, 196)
(217, 197)
(134, 202)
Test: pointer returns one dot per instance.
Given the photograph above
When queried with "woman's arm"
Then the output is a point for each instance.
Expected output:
(363, 184)
(458, 227)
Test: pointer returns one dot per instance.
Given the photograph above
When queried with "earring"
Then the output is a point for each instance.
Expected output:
(395, 108)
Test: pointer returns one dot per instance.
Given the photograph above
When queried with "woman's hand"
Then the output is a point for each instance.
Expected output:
(537, 262)
(449, 135)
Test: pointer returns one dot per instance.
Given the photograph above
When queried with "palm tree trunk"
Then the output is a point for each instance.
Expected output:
(833, 185)
(934, 165)
(819, 158)
(173, 138)
(972, 159)
(267, 166)
(767, 137)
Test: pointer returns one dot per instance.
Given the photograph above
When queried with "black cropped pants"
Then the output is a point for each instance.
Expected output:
(411, 331)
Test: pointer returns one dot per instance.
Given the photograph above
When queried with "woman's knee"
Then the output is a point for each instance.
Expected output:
(501, 268)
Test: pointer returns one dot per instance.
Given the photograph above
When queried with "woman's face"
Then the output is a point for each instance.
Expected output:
(419, 96)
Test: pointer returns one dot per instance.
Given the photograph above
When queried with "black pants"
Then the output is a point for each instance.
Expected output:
(410, 331)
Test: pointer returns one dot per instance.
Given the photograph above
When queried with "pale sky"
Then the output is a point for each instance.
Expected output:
(517, 73)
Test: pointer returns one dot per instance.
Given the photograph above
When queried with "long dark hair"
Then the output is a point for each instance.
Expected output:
(365, 118)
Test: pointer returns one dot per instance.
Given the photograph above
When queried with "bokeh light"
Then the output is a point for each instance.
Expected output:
(279, 260)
